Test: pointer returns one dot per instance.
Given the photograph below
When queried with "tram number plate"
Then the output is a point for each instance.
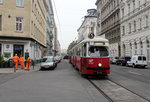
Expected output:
(99, 72)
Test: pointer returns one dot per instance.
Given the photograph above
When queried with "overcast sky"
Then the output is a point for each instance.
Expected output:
(70, 14)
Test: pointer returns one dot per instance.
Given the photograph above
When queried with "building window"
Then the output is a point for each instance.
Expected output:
(0, 22)
(19, 24)
(135, 44)
(148, 50)
(128, 8)
(130, 49)
(141, 46)
(146, 21)
(1, 1)
(140, 23)
(134, 26)
(123, 30)
(20, 3)
(129, 27)
(123, 12)
(139, 4)
(133, 4)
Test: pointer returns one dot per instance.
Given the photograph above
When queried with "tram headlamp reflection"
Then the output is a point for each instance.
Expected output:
(99, 65)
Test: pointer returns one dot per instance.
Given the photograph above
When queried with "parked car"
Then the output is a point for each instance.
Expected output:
(57, 59)
(66, 57)
(113, 60)
(123, 60)
(137, 60)
(48, 62)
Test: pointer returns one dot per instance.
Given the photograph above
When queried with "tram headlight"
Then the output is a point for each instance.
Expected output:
(99, 65)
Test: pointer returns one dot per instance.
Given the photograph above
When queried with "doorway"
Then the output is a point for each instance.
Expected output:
(19, 50)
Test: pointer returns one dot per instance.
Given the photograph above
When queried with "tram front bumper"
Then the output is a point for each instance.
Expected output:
(99, 69)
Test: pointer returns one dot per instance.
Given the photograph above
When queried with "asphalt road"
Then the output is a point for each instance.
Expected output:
(65, 84)
(134, 79)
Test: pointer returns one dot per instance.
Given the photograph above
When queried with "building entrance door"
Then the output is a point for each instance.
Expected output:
(19, 50)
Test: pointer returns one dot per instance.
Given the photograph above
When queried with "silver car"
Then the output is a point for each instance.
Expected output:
(48, 62)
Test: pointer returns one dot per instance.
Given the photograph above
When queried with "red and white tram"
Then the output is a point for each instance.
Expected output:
(91, 56)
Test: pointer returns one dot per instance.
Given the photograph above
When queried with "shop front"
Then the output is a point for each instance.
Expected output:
(19, 50)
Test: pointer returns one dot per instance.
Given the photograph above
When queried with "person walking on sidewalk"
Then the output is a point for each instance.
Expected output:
(16, 60)
(21, 60)
(28, 63)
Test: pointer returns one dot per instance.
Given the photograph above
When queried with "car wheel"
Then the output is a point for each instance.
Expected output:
(133, 65)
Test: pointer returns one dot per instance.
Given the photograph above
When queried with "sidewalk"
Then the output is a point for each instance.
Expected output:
(11, 70)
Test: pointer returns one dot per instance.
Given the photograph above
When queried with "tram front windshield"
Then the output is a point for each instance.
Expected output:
(98, 51)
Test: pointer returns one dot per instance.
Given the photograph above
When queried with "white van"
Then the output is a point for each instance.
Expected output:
(137, 60)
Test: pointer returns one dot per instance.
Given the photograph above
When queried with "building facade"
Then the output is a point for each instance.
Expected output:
(50, 28)
(109, 24)
(23, 27)
(135, 27)
(89, 25)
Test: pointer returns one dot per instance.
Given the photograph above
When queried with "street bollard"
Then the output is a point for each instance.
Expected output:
(33, 64)
(14, 68)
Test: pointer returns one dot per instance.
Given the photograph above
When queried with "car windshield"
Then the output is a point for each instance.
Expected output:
(47, 60)
(98, 51)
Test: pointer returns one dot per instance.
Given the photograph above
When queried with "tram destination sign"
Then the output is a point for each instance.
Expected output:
(99, 43)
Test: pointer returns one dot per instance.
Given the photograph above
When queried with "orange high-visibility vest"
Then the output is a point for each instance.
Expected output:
(21, 59)
(15, 59)
(29, 60)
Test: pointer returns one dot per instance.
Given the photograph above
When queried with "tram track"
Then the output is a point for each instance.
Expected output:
(101, 91)
(136, 96)
(130, 90)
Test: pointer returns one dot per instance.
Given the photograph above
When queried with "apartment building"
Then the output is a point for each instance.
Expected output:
(23, 27)
(109, 23)
(89, 25)
(135, 27)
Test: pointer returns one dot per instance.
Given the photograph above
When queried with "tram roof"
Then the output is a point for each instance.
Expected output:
(96, 39)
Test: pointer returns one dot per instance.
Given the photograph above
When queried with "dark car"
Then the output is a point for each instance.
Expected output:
(66, 57)
(123, 60)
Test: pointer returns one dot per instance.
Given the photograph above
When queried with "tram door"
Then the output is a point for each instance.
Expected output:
(19, 50)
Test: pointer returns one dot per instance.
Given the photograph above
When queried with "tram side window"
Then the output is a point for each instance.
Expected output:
(84, 50)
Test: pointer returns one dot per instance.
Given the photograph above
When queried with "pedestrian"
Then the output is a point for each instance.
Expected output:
(21, 60)
(28, 61)
(16, 60)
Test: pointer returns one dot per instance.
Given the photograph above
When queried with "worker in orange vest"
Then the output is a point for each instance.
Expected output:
(28, 63)
(21, 60)
(16, 60)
